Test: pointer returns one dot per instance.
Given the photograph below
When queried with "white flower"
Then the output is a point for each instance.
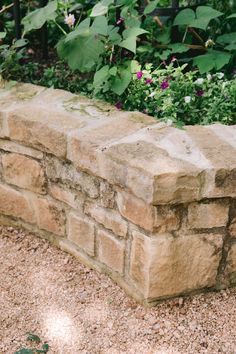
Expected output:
(209, 77)
(187, 99)
(220, 75)
(199, 81)
(70, 20)
(152, 94)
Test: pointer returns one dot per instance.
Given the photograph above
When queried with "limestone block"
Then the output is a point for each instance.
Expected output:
(23, 172)
(11, 146)
(230, 269)
(14, 203)
(111, 251)
(107, 195)
(50, 216)
(73, 199)
(232, 228)
(168, 266)
(210, 215)
(82, 233)
(110, 219)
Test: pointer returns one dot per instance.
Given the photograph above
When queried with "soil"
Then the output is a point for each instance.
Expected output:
(77, 310)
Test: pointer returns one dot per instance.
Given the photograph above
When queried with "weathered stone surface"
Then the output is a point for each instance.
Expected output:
(73, 199)
(107, 195)
(231, 264)
(23, 172)
(3, 125)
(50, 216)
(111, 251)
(15, 204)
(136, 210)
(232, 228)
(167, 218)
(11, 146)
(82, 233)
(201, 215)
(167, 266)
(110, 219)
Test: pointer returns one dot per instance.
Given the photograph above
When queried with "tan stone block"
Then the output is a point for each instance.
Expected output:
(13, 203)
(232, 228)
(107, 195)
(111, 251)
(3, 125)
(23, 172)
(110, 219)
(167, 218)
(82, 233)
(167, 266)
(50, 216)
(230, 269)
(136, 210)
(66, 196)
(11, 146)
(207, 215)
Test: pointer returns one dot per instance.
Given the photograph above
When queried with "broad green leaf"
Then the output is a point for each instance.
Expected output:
(20, 43)
(121, 81)
(101, 8)
(227, 38)
(24, 351)
(204, 15)
(231, 47)
(33, 338)
(82, 53)
(100, 25)
(113, 71)
(150, 7)
(2, 35)
(78, 32)
(114, 36)
(178, 48)
(232, 16)
(37, 18)
(212, 60)
(133, 32)
(134, 66)
(184, 17)
(101, 76)
(130, 44)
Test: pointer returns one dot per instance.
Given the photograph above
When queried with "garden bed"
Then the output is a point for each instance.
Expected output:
(151, 205)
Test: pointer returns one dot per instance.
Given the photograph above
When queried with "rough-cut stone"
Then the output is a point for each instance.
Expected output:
(3, 125)
(136, 210)
(111, 251)
(15, 204)
(11, 146)
(167, 218)
(73, 199)
(107, 195)
(82, 233)
(23, 172)
(168, 266)
(201, 215)
(110, 219)
(232, 228)
(50, 216)
(231, 265)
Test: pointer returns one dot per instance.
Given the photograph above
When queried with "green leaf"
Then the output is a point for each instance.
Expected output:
(231, 47)
(130, 44)
(113, 71)
(82, 53)
(121, 81)
(20, 43)
(101, 76)
(178, 48)
(232, 16)
(114, 36)
(134, 66)
(184, 17)
(101, 8)
(2, 35)
(37, 18)
(204, 15)
(100, 25)
(24, 351)
(212, 60)
(33, 337)
(228, 38)
(133, 32)
(150, 7)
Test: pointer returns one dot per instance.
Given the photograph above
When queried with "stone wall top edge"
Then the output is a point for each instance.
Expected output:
(156, 162)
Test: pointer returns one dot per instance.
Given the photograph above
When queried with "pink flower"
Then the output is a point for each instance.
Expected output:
(199, 93)
(173, 59)
(69, 20)
(119, 105)
(139, 75)
(148, 81)
(120, 21)
(164, 85)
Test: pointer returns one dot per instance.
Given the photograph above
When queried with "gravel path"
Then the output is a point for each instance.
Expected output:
(76, 310)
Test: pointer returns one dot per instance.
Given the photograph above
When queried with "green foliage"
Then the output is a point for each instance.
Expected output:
(33, 338)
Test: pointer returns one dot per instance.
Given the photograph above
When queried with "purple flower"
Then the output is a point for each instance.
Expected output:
(199, 93)
(120, 21)
(164, 85)
(148, 81)
(119, 105)
(139, 75)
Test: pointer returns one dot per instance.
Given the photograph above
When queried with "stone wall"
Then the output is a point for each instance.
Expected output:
(151, 205)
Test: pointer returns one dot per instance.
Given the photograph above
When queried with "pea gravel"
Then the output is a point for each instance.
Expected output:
(77, 310)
